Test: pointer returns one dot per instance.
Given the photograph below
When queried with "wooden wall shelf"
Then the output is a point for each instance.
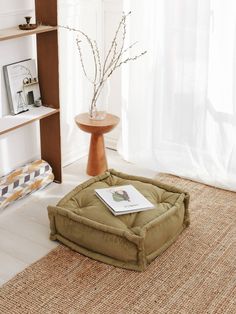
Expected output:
(15, 32)
(10, 122)
(47, 60)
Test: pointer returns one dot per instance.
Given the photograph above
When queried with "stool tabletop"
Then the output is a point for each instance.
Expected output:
(96, 126)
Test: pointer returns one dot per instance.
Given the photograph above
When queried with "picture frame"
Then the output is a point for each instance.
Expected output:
(22, 85)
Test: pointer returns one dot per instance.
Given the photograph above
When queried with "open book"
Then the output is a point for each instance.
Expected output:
(124, 199)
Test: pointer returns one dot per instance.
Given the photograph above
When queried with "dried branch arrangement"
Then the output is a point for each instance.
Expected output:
(114, 59)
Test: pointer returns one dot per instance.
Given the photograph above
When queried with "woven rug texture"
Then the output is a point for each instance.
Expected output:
(197, 274)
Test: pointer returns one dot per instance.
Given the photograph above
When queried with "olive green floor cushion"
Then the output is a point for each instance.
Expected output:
(83, 223)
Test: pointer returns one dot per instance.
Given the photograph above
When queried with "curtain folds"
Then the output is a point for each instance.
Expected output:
(179, 100)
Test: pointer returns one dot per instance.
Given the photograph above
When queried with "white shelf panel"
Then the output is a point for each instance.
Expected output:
(9, 123)
(15, 32)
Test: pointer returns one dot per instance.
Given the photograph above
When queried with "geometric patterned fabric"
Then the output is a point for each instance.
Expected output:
(24, 180)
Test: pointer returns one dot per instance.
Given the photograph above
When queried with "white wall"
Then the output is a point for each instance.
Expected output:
(22, 145)
(98, 18)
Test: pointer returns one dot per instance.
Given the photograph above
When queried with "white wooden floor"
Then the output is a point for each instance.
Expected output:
(24, 226)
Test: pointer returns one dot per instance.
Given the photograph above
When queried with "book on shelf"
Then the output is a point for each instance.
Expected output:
(124, 199)
(22, 85)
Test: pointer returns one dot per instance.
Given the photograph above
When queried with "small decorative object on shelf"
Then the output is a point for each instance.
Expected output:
(27, 26)
(38, 102)
(22, 85)
(28, 18)
(116, 56)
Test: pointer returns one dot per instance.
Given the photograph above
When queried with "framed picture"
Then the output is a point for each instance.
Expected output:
(22, 85)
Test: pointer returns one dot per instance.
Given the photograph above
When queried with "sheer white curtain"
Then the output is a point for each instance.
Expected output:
(179, 101)
(75, 90)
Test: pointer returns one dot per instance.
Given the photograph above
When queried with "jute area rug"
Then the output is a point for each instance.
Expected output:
(197, 274)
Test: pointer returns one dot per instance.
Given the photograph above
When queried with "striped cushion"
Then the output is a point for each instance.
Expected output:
(24, 180)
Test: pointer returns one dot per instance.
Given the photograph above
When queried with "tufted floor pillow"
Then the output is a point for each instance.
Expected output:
(83, 223)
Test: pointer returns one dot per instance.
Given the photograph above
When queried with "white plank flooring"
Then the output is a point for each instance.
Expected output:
(24, 226)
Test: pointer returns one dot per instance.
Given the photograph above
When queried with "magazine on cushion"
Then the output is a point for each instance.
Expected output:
(124, 199)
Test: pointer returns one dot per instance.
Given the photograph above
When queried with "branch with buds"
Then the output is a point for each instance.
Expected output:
(114, 59)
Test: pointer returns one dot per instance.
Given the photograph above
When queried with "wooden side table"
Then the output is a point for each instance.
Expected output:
(97, 161)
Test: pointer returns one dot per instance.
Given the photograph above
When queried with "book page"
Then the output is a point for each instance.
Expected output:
(124, 198)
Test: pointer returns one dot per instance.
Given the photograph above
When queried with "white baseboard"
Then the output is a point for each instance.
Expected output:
(110, 142)
(73, 155)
